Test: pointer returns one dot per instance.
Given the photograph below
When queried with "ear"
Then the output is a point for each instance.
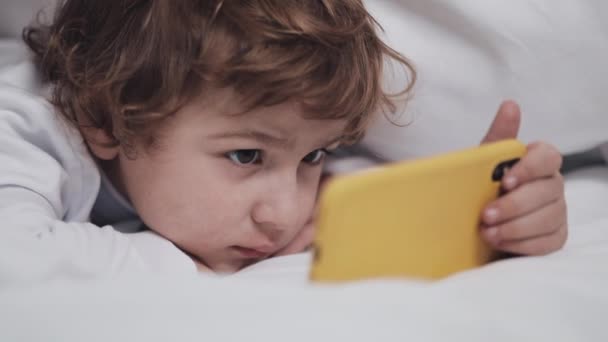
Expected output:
(100, 143)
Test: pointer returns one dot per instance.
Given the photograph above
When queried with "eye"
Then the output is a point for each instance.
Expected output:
(245, 157)
(315, 157)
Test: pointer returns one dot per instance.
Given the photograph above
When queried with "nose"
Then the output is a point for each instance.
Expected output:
(278, 208)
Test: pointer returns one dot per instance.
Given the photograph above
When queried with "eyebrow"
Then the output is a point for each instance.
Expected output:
(333, 140)
(268, 139)
(262, 137)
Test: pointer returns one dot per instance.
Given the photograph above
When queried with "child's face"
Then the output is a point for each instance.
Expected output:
(230, 189)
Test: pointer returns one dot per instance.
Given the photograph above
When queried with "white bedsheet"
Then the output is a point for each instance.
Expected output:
(562, 297)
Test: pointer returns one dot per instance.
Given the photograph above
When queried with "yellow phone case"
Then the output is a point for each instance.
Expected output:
(411, 219)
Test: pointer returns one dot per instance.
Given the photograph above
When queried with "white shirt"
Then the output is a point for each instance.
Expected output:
(49, 184)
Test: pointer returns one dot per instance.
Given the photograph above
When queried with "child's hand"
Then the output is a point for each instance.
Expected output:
(301, 242)
(530, 218)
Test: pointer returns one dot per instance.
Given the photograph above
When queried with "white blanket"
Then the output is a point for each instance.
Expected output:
(561, 297)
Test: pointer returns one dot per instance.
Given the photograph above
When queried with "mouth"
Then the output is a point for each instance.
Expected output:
(251, 253)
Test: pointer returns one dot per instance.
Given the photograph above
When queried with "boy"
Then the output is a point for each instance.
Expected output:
(209, 122)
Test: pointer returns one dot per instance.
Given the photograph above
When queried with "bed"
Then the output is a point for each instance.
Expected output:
(561, 297)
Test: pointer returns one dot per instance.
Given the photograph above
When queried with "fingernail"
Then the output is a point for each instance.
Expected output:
(492, 234)
(510, 182)
(491, 215)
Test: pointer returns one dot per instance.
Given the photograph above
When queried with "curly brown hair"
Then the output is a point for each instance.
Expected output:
(125, 65)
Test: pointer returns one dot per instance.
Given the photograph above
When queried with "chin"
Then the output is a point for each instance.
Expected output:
(227, 267)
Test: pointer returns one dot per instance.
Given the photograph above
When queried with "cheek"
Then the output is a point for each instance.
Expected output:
(189, 205)
(309, 191)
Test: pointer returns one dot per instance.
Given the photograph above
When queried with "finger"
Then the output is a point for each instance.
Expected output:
(541, 245)
(541, 160)
(546, 220)
(301, 242)
(506, 123)
(524, 200)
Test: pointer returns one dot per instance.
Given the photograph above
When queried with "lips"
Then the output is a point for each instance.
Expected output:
(252, 253)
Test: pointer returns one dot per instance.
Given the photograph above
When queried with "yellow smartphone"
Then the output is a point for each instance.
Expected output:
(416, 219)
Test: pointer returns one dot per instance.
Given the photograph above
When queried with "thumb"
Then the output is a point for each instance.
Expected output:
(506, 123)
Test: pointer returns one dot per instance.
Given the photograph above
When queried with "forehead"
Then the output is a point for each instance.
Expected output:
(220, 110)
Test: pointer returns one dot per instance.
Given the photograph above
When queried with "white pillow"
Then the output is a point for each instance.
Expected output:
(551, 56)
(16, 14)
